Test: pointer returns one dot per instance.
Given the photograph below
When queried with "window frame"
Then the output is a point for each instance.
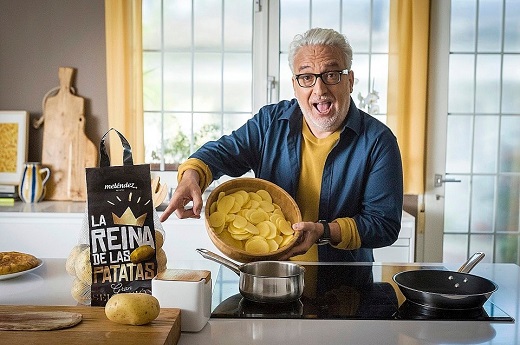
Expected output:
(266, 65)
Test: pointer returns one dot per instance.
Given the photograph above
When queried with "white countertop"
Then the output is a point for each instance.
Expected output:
(57, 208)
(72, 208)
(50, 285)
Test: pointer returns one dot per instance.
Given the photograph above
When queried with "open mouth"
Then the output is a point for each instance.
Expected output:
(322, 107)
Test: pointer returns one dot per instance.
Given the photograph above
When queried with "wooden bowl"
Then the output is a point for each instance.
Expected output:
(280, 196)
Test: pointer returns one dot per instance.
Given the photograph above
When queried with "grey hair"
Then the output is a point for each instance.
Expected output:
(319, 36)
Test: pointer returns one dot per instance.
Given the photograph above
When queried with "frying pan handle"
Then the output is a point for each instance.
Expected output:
(472, 261)
(217, 258)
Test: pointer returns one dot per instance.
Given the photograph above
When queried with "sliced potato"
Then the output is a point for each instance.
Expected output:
(264, 195)
(250, 221)
(236, 207)
(217, 219)
(256, 216)
(257, 245)
(266, 206)
(255, 196)
(239, 199)
(285, 228)
(225, 204)
(273, 245)
(230, 241)
(242, 237)
(252, 229)
(286, 240)
(278, 239)
(240, 222)
(219, 229)
(264, 229)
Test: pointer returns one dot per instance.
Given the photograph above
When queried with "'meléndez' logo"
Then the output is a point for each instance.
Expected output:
(119, 185)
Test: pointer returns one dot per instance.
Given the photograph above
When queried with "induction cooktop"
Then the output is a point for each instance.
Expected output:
(335, 291)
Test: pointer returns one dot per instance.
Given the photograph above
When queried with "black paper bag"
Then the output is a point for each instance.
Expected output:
(120, 220)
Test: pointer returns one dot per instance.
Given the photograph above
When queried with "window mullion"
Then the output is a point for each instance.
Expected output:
(192, 105)
(163, 146)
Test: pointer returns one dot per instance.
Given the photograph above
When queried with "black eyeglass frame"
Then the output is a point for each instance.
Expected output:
(320, 75)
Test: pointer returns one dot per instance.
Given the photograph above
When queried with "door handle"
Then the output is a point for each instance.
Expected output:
(271, 86)
(439, 180)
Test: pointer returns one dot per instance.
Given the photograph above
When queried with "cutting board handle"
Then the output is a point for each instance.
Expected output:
(104, 159)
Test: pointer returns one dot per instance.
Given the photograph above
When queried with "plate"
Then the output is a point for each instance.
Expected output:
(14, 275)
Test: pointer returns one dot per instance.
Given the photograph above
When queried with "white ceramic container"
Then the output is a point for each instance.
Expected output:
(188, 290)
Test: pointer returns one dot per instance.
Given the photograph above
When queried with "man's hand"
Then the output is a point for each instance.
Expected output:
(309, 233)
(187, 191)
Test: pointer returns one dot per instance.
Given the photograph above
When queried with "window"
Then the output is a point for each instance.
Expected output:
(197, 65)
(481, 212)
(210, 64)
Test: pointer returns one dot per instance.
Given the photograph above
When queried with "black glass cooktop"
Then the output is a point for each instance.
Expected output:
(335, 291)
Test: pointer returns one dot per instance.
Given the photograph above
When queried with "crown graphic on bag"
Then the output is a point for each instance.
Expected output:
(128, 218)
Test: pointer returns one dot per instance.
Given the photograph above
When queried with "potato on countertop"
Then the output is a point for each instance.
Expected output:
(132, 308)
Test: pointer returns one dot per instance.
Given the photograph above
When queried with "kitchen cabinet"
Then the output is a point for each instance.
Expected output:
(45, 229)
(51, 228)
(403, 250)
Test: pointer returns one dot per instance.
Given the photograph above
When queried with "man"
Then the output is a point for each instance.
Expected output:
(342, 166)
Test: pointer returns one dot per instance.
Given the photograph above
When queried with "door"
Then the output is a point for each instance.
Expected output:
(473, 144)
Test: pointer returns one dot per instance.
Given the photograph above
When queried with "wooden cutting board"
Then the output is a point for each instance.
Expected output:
(38, 320)
(95, 328)
(66, 149)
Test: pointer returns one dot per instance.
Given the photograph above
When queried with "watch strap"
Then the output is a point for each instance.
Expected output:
(325, 237)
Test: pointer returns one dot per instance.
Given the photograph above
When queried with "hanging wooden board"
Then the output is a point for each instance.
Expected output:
(66, 149)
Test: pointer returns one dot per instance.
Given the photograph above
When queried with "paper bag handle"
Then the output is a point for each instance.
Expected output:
(104, 160)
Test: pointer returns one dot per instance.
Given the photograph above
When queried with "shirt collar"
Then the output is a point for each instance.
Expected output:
(353, 120)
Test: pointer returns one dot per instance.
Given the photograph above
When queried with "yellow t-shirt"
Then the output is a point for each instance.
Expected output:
(314, 154)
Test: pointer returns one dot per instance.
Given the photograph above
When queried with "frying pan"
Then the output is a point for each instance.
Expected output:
(265, 281)
(446, 289)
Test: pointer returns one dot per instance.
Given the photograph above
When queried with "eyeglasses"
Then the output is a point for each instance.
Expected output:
(328, 78)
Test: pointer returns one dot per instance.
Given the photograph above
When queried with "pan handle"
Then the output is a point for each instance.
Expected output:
(217, 258)
(472, 261)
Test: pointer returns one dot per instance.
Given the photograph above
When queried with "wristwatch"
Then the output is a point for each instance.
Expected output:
(325, 237)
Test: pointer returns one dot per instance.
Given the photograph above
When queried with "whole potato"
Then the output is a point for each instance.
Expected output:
(132, 308)
(71, 259)
(82, 267)
(142, 253)
(159, 239)
(80, 291)
(161, 260)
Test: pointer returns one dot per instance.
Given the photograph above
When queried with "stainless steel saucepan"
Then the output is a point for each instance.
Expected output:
(265, 281)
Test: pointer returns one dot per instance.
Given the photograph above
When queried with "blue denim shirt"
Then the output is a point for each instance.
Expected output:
(362, 177)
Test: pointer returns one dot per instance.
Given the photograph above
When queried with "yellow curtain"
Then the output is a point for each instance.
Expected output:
(407, 86)
(124, 76)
